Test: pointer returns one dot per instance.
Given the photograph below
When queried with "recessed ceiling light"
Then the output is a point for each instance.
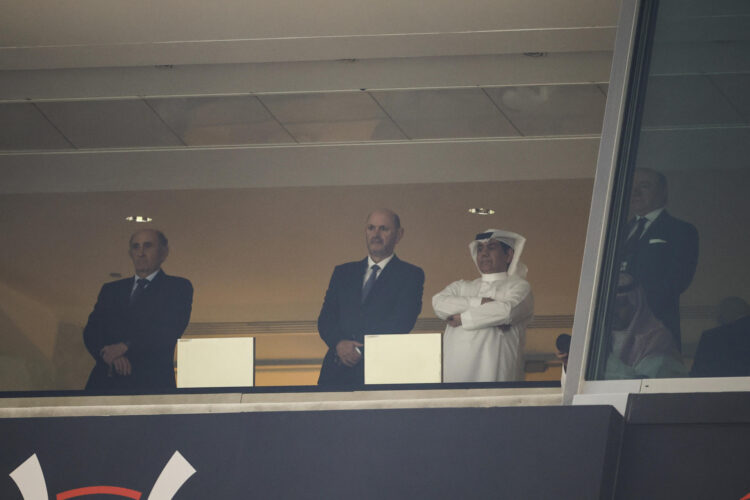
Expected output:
(138, 218)
(481, 211)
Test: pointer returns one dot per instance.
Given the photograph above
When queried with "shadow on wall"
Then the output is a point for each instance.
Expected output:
(72, 361)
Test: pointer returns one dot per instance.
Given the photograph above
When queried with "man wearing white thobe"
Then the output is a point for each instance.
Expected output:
(487, 317)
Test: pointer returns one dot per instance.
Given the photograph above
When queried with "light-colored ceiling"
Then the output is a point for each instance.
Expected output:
(179, 95)
(88, 33)
(277, 119)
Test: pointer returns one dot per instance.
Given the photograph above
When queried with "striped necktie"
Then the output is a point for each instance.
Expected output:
(370, 282)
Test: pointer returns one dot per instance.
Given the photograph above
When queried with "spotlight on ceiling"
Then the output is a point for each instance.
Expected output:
(481, 211)
(138, 218)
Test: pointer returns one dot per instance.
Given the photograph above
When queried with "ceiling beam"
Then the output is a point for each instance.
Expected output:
(301, 165)
(320, 76)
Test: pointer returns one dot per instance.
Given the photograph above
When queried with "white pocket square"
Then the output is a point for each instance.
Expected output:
(656, 240)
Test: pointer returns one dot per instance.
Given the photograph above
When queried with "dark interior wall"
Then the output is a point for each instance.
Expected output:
(686, 446)
(513, 453)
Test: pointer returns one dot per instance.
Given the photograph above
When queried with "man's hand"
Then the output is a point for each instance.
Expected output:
(113, 351)
(122, 366)
(562, 356)
(487, 299)
(454, 320)
(347, 353)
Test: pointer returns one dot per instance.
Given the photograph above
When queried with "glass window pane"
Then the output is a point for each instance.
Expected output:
(674, 302)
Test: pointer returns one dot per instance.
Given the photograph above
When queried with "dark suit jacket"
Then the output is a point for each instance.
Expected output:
(150, 326)
(664, 264)
(392, 306)
(724, 351)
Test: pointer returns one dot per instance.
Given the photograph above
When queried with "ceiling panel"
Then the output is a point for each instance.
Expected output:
(686, 101)
(220, 120)
(433, 114)
(108, 124)
(344, 116)
(552, 109)
(372, 163)
(25, 128)
(308, 77)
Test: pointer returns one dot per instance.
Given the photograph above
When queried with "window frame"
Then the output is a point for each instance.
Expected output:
(613, 179)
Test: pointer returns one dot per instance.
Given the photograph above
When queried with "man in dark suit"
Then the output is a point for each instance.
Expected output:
(377, 295)
(724, 351)
(660, 251)
(133, 330)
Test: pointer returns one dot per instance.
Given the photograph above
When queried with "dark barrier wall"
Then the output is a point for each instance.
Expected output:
(686, 446)
(506, 453)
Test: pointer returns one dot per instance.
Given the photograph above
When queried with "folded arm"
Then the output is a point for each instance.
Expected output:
(510, 306)
(450, 301)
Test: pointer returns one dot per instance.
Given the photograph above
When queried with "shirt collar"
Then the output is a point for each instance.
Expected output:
(653, 214)
(494, 276)
(150, 277)
(380, 264)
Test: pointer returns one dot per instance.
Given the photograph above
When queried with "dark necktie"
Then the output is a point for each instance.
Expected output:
(630, 248)
(140, 286)
(639, 223)
(370, 282)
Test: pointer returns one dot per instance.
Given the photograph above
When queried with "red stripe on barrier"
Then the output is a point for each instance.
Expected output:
(99, 490)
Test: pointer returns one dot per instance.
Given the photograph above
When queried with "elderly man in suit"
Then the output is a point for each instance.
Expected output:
(660, 251)
(133, 330)
(380, 294)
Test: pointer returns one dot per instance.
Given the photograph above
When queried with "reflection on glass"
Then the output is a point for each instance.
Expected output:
(640, 346)
(682, 237)
(660, 251)
(724, 351)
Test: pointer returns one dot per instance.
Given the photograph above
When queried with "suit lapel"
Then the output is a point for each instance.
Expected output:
(358, 281)
(656, 228)
(149, 293)
(123, 293)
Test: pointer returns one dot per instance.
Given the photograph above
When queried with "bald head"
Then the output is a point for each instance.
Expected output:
(159, 235)
(387, 212)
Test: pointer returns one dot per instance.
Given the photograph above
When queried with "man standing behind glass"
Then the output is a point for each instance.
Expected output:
(380, 294)
(661, 251)
(133, 330)
(487, 317)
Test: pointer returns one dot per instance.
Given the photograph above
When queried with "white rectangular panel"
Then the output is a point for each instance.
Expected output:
(224, 362)
(403, 359)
